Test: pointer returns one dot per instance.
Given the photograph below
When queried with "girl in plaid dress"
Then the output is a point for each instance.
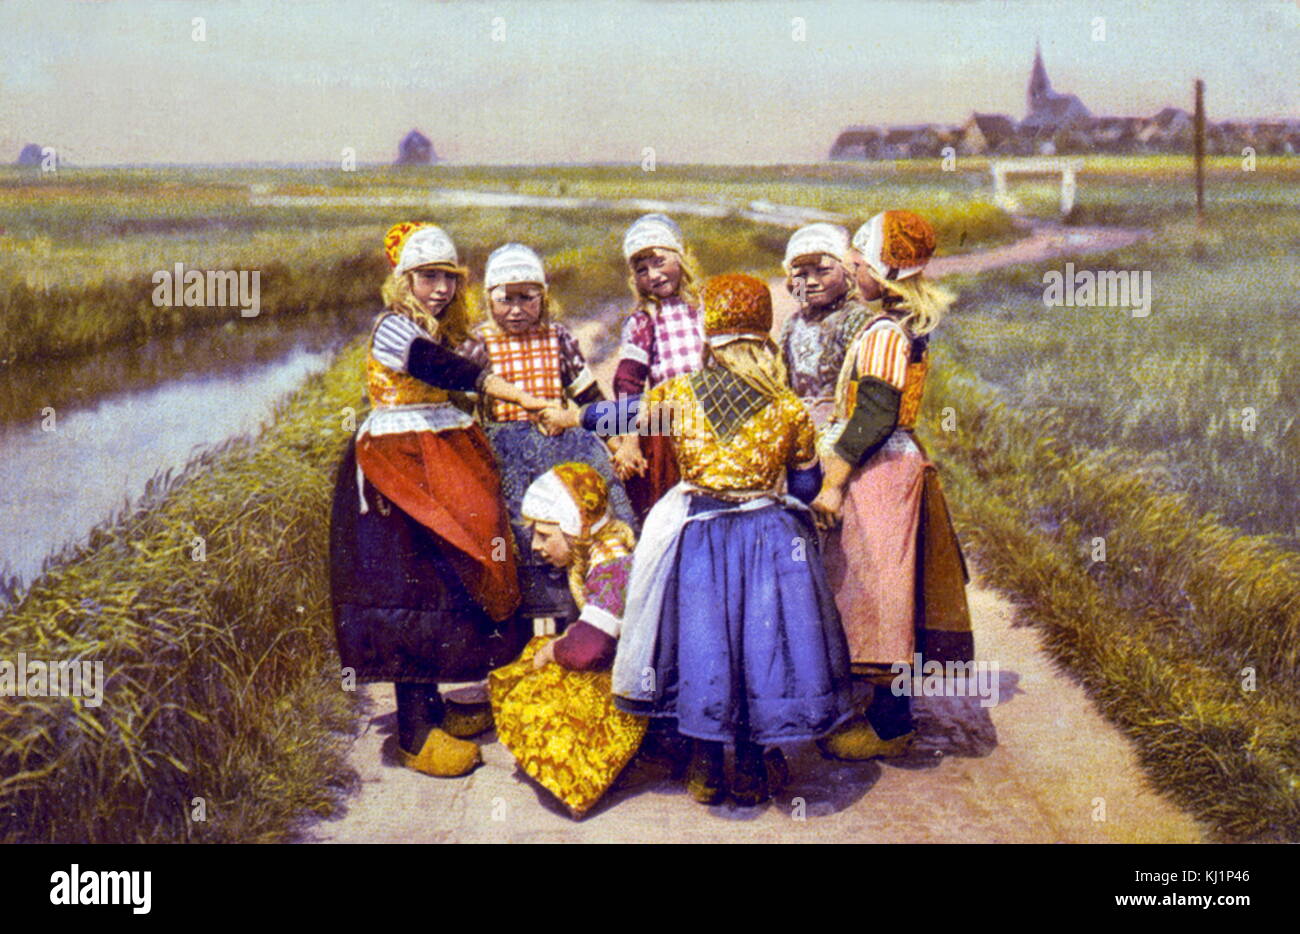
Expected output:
(521, 342)
(662, 338)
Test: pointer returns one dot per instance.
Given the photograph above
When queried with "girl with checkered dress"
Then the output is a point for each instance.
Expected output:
(521, 342)
(662, 338)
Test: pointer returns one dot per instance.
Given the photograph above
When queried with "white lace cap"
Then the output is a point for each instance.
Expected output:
(652, 231)
(816, 240)
(427, 245)
(513, 262)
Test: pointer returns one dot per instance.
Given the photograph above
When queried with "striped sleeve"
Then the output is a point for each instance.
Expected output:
(883, 353)
(392, 342)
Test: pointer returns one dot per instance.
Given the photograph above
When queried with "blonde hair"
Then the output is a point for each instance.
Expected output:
(615, 534)
(922, 303)
(686, 289)
(754, 360)
(451, 327)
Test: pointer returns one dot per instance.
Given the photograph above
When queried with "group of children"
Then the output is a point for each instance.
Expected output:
(793, 538)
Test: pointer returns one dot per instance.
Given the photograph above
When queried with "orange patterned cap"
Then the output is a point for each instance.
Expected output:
(395, 239)
(896, 244)
(736, 304)
(572, 495)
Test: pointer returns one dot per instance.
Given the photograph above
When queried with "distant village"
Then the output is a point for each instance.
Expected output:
(1058, 123)
(1055, 123)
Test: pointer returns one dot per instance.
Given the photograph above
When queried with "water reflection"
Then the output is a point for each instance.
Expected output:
(128, 413)
(243, 344)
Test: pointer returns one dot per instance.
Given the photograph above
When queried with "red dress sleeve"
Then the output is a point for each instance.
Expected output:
(634, 355)
(583, 647)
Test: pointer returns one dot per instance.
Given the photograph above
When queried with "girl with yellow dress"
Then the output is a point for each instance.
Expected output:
(730, 628)
(553, 707)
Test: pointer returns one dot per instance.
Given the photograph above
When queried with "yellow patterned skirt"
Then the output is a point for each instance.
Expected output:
(562, 727)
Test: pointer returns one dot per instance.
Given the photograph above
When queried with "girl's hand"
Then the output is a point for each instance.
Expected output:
(532, 403)
(827, 506)
(554, 419)
(545, 655)
(629, 460)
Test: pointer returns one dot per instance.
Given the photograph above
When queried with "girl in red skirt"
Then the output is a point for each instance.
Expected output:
(422, 567)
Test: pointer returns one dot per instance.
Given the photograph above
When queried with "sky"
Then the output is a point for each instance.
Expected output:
(118, 81)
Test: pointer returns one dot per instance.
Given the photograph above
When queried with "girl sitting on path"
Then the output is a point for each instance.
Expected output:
(553, 707)
(894, 563)
(422, 575)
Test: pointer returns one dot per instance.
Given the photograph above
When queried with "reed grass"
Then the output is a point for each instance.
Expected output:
(1206, 387)
(1165, 631)
(221, 679)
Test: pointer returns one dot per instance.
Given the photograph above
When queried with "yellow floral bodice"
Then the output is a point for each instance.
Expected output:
(386, 386)
(780, 435)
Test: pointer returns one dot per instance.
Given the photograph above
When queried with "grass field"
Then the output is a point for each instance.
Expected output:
(223, 689)
(1072, 424)
(1186, 633)
(80, 247)
(1203, 394)
(1162, 438)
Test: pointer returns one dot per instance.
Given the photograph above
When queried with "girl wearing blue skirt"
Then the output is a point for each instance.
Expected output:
(730, 627)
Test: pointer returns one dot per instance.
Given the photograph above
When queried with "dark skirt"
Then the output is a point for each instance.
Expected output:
(523, 454)
(401, 612)
(762, 658)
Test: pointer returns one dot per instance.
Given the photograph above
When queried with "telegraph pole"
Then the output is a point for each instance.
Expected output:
(1199, 142)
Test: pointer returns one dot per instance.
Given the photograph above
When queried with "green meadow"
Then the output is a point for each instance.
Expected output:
(1132, 481)
(1202, 395)
(1072, 425)
(80, 247)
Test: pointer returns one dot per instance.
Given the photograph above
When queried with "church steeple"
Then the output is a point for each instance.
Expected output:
(1040, 88)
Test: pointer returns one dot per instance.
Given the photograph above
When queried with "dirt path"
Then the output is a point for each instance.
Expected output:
(1044, 240)
(1039, 766)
